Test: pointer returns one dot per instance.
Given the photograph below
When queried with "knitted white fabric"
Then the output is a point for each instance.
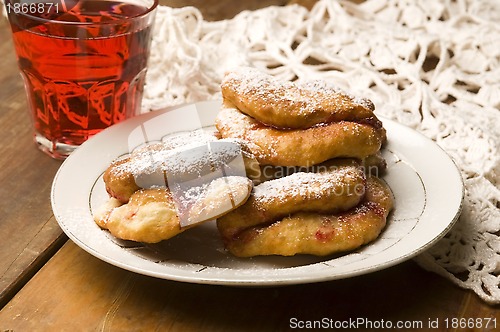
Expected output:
(431, 65)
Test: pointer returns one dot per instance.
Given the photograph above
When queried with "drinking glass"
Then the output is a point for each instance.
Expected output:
(83, 63)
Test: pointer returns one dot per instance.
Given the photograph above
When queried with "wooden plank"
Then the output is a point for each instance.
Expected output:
(76, 291)
(28, 231)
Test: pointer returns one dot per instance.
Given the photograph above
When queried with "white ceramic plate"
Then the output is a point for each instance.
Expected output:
(426, 184)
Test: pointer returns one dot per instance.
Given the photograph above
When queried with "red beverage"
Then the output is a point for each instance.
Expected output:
(83, 64)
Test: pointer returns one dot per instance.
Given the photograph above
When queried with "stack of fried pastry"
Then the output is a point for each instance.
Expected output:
(292, 124)
(314, 144)
(305, 189)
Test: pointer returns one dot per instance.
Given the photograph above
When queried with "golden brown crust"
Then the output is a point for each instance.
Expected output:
(284, 104)
(300, 147)
(318, 234)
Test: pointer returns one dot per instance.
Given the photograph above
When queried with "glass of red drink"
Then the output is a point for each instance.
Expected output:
(83, 63)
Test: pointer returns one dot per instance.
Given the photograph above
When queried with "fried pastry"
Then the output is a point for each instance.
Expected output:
(289, 105)
(332, 190)
(318, 233)
(300, 147)
(149, 165)
(150, 216)
(153, 215)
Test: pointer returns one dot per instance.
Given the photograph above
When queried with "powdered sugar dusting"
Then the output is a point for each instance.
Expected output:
(193, 153)
(326, 87)
(306, 185)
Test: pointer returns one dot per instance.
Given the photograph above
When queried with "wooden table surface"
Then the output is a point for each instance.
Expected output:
(47, 283)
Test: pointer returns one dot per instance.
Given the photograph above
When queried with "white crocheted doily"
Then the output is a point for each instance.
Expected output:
(431, 65)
